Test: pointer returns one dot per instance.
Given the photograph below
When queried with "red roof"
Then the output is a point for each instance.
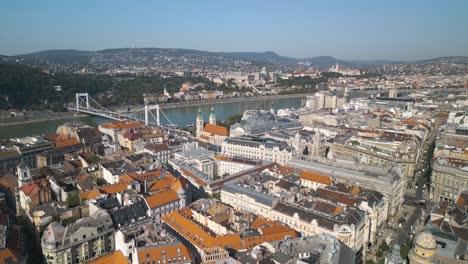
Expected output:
(131, 135)
(114, 188)
(316, 177)
(66, 143)
(161, 198)
(216, 130)
(30, 189)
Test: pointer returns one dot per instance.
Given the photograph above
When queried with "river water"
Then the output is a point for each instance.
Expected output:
(181, 116)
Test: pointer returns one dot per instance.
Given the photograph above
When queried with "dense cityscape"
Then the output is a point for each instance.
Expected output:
(371, 178)
(113, 153)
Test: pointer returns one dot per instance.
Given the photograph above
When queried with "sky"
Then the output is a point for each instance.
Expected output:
(357, 29)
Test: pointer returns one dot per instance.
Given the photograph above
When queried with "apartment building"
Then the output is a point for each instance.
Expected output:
(86, 239)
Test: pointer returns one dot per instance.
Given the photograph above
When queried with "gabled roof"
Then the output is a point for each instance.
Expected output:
(121, 125)
(30, 189)
(113, 257)
(114, 188)
(131, 135)
(316, 177)
(164, 183)
(66, 142)
(90, 195)
(337, 197)
(85, 182)
(216, 130)
(142, 176)
(162, 198)
(159, 254)
(179, 221)
(157, 147)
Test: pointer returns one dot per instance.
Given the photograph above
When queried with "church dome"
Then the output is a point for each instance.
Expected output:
(425, 240)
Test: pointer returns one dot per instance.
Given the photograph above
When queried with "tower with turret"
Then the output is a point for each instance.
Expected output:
(24, 174)
(297, 143)
(199, 123)
(212, 118)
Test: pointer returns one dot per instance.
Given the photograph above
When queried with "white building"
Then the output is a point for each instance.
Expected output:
(258, 148)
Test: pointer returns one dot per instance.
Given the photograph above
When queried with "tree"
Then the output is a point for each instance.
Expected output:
(73, 199)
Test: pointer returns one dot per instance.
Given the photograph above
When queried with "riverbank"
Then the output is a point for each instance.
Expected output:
(211, 102)
(58, 116)
(180, 116)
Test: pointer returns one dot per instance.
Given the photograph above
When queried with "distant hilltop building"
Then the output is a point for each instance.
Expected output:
(348, 72)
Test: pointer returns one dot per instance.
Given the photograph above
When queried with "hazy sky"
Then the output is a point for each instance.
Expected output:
(348, 29)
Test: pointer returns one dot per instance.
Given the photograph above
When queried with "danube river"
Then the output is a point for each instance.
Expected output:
(181, 116)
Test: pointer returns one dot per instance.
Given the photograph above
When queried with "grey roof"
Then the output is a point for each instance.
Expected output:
(199, 152)
(57, 237)
(255, 142)
(129, 213)
(120, 167)
(322, 248)
(265, 199)
(341, 169)
(256, 122)
(351, 216)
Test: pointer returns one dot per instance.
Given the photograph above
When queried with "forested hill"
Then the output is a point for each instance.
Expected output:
(22, 87)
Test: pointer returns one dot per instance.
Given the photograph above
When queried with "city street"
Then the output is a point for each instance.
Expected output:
(418, 195)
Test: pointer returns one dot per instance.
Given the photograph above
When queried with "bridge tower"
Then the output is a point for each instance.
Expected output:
(148, 108)
(79, 97)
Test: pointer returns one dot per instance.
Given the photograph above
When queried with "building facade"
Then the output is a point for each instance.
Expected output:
(88, 238)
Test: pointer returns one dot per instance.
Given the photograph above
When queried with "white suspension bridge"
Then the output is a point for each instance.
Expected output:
(150, 114)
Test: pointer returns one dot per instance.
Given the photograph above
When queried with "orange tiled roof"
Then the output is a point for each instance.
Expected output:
(164, 183)
(161, 198)
(197, 236)
(204, 137)
(66, 142)
(114, 188)
(193, 176)
(126, 178)
(7, 254)
(339, 197)
(269, 231)
(224, 158)
(146, 175)
(90, 195)
(122, 125)
(111, 258)
(286, 170)
(316, 177)
(355, 190)
(155, 254)
(338, 210)
(30, 189)
(52, 137)
(260, 221)
(216, 130)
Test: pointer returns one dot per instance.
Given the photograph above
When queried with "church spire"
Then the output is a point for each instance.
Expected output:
(212, 118)
(199, 123)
